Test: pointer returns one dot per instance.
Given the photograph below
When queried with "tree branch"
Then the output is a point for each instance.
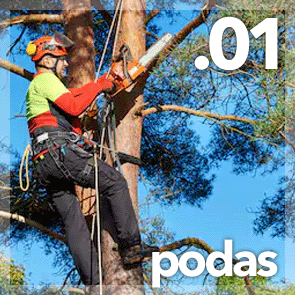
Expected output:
(16, 69)
(151, 15)
(187, 242)
(34, 224)
(204, 114)
(152, 35)
(185, 31)
(17, 40)
(32, 19)
(200, 244)
(150, 284)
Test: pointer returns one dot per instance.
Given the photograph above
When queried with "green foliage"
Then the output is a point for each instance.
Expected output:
(13, 280)
(272, 215)
(234, 285)
(261, 286)
(174, 165)
(155, 232)
(11, 274)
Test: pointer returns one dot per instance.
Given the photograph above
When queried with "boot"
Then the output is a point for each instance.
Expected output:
(137, 253)
(92, 290)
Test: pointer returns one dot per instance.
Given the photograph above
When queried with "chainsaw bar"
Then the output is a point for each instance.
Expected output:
(152, 52)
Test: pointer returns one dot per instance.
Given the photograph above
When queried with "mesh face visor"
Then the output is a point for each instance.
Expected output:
(61, 40)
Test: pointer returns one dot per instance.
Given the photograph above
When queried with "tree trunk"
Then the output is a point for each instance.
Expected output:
(78, 19)
(82, 70)
(128, 140)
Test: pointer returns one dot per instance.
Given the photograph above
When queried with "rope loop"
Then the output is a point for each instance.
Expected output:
(25, 160)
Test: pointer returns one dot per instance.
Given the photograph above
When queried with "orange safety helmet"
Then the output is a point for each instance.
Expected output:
(54, 45)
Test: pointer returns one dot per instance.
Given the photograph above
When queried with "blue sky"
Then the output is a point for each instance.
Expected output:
(224, 215)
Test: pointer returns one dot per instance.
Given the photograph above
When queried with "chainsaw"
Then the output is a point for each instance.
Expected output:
(133, 69)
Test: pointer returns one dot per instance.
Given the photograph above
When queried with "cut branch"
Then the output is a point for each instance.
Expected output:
(16, 69)
(185, 31)
(34, 224)
(204, 114)
(32, 19)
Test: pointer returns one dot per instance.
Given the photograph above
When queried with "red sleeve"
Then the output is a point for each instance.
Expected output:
(78, 99)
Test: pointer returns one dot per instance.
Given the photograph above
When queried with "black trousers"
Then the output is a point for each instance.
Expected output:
(116, 211)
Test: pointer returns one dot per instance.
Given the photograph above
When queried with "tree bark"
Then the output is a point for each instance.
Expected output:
(82, 70)
(132, 33)
(78, 22)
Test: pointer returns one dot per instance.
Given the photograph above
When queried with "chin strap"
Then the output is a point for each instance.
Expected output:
(53, 69)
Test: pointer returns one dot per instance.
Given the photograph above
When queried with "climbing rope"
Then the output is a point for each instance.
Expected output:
(118, 8)
(106, 109)
(25, 159)
(98, 224)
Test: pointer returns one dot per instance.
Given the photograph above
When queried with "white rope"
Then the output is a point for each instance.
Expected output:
(119, 6)
(98, 224)
(118, 26)
(25, 159)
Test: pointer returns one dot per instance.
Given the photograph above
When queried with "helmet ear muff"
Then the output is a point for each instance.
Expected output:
(31, 48)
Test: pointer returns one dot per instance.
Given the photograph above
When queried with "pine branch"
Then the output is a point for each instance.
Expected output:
(34, 224)
(204, 114)
(185, 31)
(16, 69)
(200, 244)
(150, 284)
(151, 15)
(32, 19)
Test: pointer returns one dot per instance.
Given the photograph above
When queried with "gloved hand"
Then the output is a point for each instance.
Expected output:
(116, 72)
(112, 82)
(106, 85)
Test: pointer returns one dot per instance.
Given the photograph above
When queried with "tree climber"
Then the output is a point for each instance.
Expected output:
(62, 162)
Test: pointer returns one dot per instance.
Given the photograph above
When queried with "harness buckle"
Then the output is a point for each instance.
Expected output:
(42, 137)
(74, 137)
